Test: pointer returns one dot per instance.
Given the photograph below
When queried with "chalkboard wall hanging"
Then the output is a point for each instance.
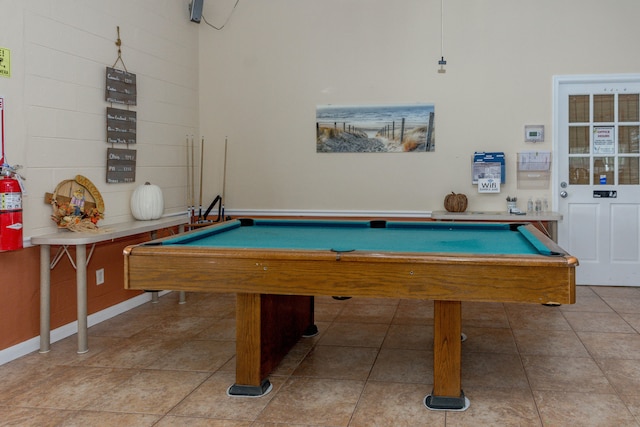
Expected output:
(121, 126)
(121, 165)
(120, 87)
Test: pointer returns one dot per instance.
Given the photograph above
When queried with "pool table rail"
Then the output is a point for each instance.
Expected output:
(451, 277)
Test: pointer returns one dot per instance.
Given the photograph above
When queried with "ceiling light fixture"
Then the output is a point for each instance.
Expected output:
(442, 62)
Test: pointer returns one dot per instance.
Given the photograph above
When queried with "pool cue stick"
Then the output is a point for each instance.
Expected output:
(188, 192)
(219, 198)
(224, 180)
(192, 189)
(200, 219)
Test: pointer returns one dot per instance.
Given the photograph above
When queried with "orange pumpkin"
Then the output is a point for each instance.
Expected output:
(455, 202)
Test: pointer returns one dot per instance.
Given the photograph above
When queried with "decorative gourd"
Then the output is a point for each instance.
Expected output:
(147, 202)
(455, 202)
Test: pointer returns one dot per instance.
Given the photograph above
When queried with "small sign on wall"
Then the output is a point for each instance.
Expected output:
(121, 126)
(5, 62)
(488, 185)
(120, 87)
(121, 165)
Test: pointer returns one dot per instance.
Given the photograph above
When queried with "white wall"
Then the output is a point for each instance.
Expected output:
(257, 82)
(264, 73)
(55, 113)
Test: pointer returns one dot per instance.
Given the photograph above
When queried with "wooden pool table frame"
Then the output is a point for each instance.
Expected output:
(275, 290)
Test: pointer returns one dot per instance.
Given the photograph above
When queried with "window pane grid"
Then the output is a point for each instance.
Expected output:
(620, 163)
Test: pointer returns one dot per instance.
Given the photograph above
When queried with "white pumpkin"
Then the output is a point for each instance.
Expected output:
(147, 202)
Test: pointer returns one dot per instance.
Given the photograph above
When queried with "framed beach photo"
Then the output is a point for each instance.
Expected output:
(402, 128)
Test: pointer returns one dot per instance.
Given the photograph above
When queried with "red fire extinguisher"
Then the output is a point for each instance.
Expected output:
(10, 212)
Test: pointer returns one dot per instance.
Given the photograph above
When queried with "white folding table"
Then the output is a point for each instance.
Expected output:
(66, 238)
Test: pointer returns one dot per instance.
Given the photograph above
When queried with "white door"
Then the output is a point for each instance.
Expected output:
(597, 180)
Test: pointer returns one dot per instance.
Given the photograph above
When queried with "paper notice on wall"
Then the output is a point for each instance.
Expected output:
(5, 62)
(604, 141)
(488, 165)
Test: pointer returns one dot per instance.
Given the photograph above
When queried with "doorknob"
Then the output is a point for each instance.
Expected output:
(564, 194)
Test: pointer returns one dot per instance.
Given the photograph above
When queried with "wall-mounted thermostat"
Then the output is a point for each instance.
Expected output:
(534, 133)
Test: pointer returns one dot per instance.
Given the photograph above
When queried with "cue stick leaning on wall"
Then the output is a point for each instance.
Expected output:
(188, 193)
(193, 188)
(224, 180)
(200, 219)
(219, 198)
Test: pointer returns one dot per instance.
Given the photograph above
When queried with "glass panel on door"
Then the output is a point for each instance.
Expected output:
(603, 108)
(628, 139)
(628, 108)
(579, 170)
(629, 171)
(603, 168)
(578, 108)
(579, 140)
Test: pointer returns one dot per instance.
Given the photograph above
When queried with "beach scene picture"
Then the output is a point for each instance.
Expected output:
(406, 128)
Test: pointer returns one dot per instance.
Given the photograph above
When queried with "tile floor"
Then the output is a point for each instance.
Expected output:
(168, 364)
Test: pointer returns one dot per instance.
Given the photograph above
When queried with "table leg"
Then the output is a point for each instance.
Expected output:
(553, 230)
(183, 294)
(267, 327)
(447, 351)
(249, 381)
(81, 284)
(45, 298)
(154, 294)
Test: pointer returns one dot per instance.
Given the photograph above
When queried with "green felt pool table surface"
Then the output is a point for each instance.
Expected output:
(372, 236)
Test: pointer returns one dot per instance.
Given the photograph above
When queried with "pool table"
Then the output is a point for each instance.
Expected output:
(276, 266)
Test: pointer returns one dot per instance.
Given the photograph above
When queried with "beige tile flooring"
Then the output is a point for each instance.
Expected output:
(168, 364)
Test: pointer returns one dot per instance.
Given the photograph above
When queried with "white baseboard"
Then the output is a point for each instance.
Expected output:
(328, 213)
(26, 347)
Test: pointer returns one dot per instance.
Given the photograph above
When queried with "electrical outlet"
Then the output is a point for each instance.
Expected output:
(100, 276)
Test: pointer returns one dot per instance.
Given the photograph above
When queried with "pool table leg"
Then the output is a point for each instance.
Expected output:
(249, 381)
(447, 351)
(267, 327)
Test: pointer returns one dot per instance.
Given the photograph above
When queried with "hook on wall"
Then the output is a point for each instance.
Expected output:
(119, 44)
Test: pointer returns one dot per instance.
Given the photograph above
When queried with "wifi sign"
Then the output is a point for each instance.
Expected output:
(488, 185)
